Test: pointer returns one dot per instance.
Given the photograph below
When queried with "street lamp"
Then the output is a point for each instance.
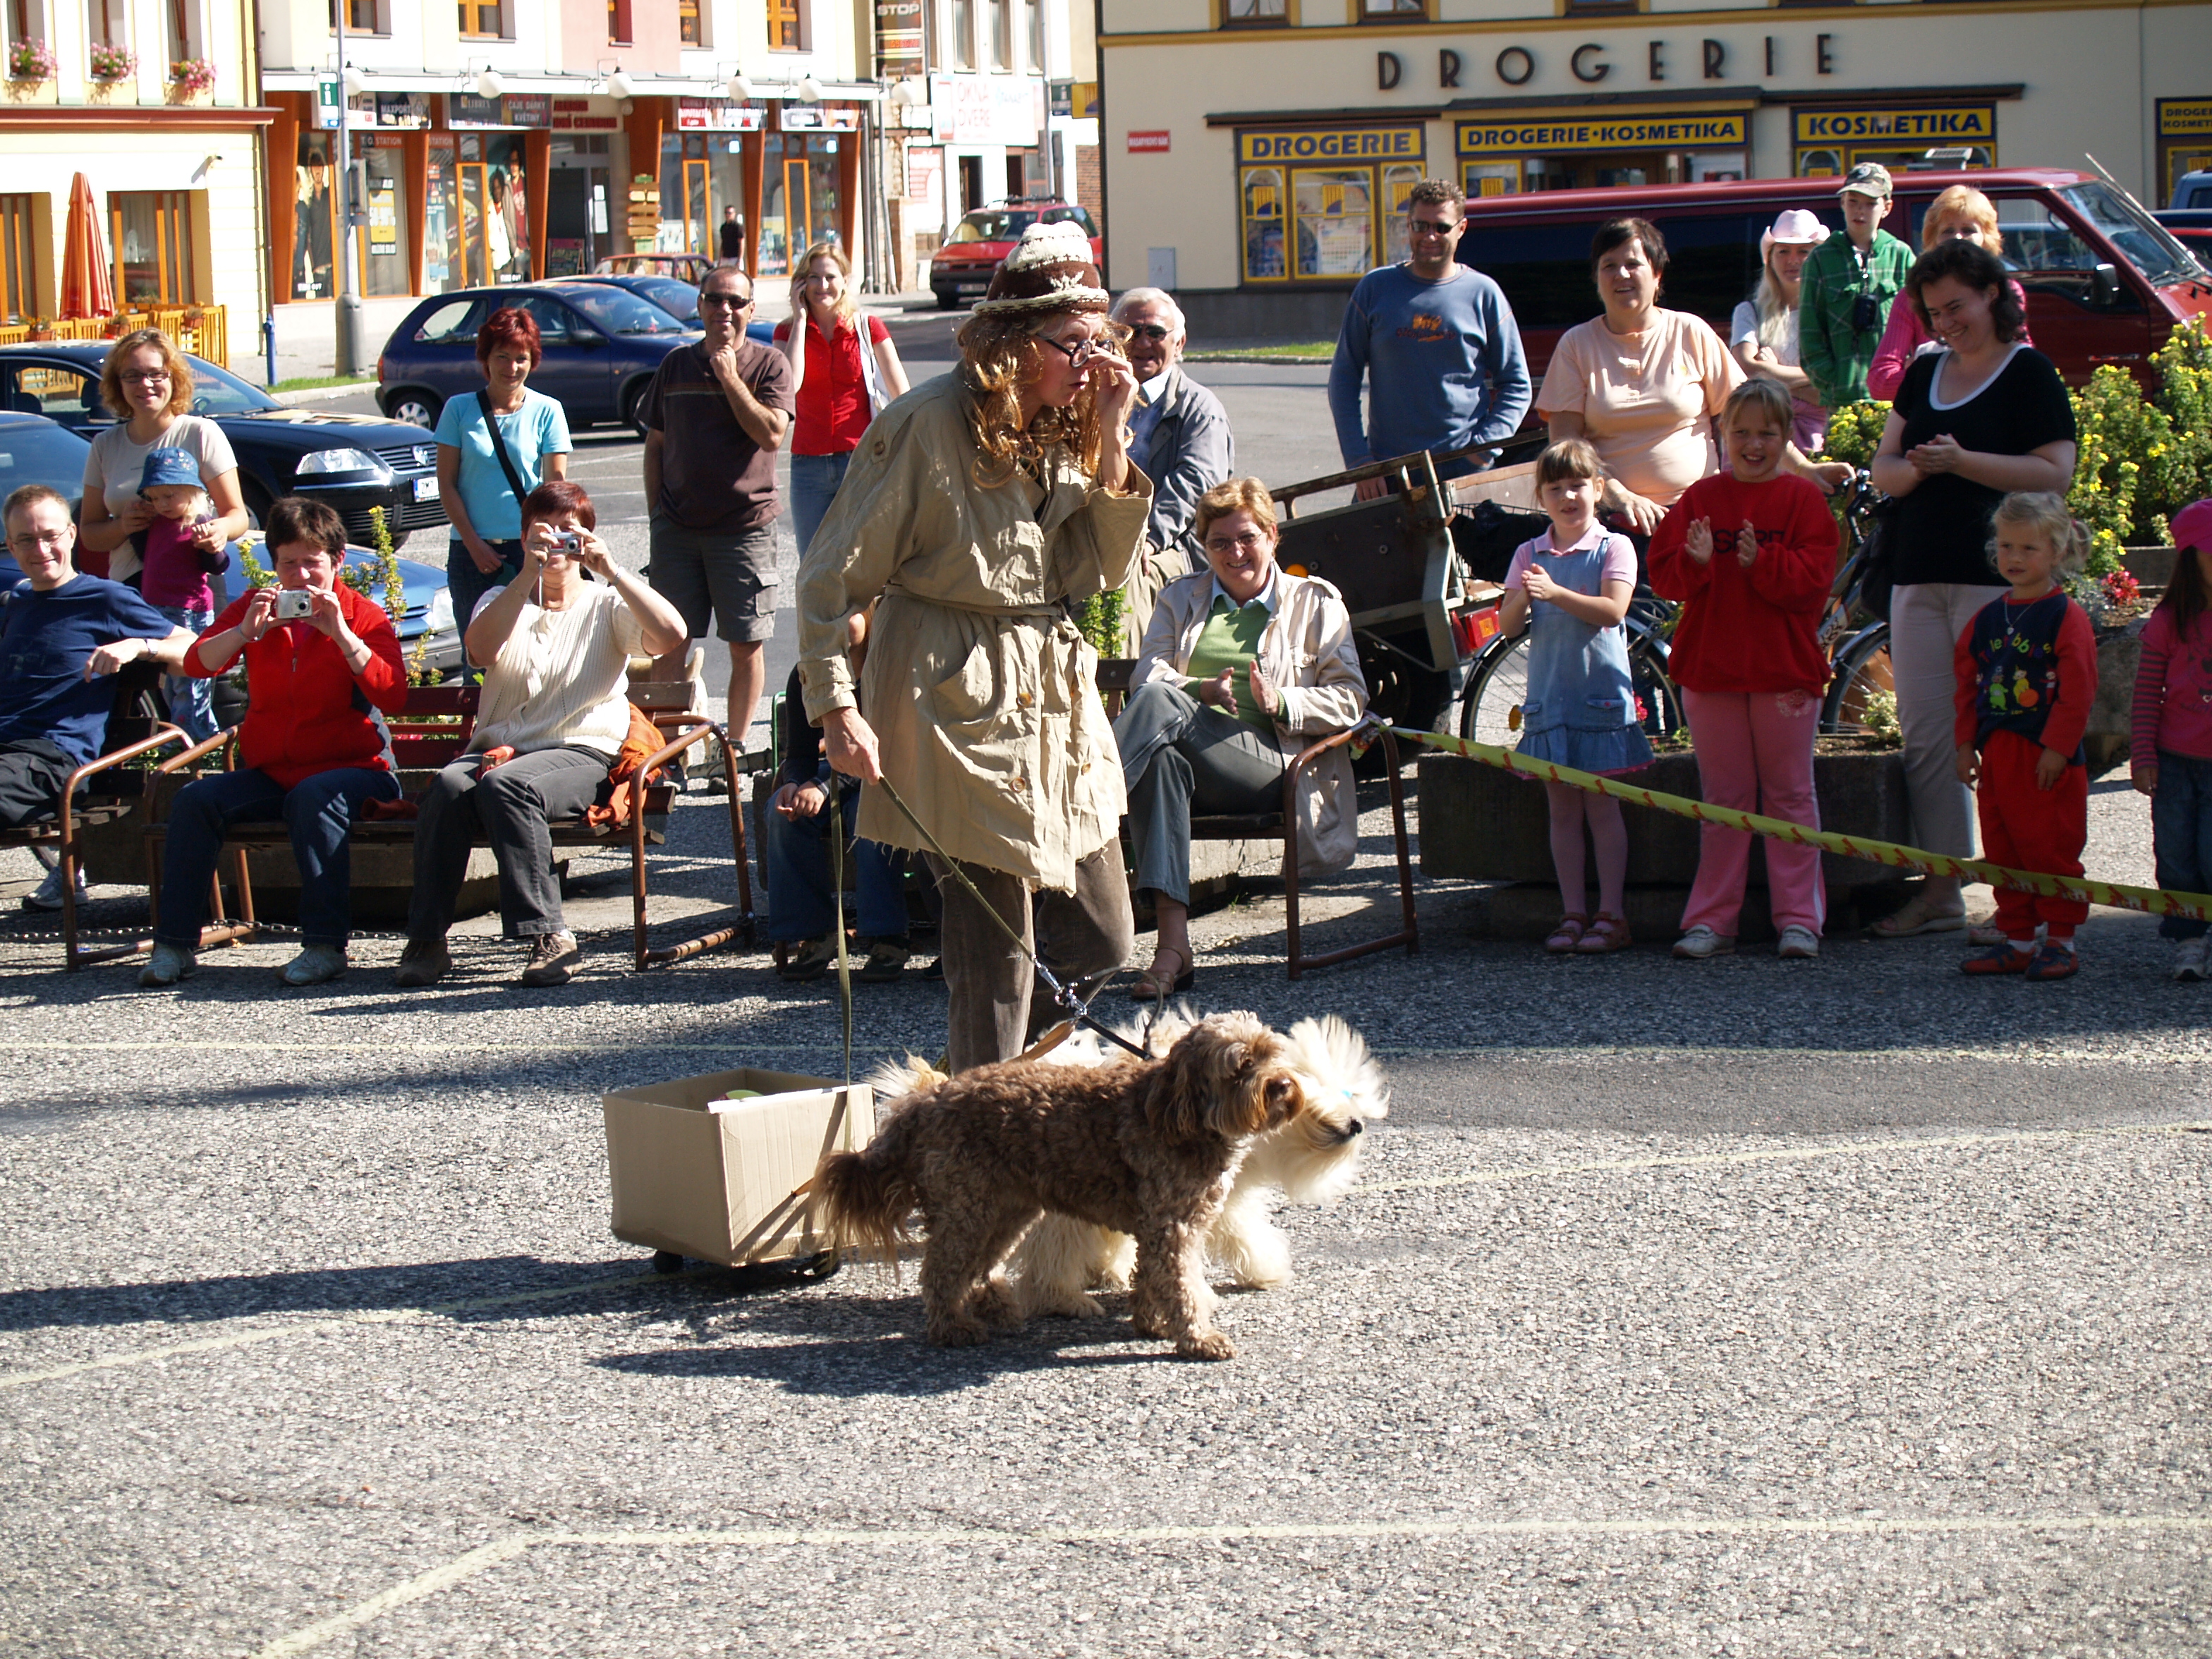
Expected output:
(354, 81)
(809, 90)
(490, 83)
(740, 89)
(619, 85)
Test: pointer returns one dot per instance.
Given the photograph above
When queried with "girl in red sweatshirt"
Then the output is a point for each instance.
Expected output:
(1750, 554)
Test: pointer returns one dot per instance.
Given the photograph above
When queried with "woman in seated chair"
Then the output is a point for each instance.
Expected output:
(556, 651)
(1242, 668)
(310, 750)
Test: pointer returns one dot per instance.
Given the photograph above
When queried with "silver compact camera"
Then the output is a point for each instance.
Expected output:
(294, 605)
(569, 541)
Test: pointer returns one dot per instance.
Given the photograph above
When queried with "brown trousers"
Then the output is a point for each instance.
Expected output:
(1078, 935)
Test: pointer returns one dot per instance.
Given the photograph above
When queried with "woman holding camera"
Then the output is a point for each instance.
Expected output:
(319, 656)
(556, 651)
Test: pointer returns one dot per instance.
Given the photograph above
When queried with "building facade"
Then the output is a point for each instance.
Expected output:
(156, 103)
(1261, 149)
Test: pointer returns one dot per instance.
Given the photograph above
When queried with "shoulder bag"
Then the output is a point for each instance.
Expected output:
(871, 375)
(499, 449)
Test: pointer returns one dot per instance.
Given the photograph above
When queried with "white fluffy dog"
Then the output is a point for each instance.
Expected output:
(1060, 1261)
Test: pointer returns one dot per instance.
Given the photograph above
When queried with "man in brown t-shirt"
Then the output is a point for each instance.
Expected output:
(715, 416)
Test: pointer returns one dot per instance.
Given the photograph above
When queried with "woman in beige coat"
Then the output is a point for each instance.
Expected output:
(1241, 669)
(977, 508)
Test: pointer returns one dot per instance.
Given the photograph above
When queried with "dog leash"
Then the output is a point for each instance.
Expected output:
(1064, 997)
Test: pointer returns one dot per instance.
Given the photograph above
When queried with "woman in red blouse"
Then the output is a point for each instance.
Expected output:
(838, 384)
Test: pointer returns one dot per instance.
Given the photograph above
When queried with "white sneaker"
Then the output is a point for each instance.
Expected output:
(168, 966)
(2189, 958)
(317, 964)
(48, 894)
(1798, 942)
(1701, 942)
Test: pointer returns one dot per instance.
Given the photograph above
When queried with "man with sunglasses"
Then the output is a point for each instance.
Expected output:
(1179, 438)
(714, 415)
(1436, 345)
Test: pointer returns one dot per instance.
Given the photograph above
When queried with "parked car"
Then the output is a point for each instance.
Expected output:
(2193, 228)
(962, 268)
(352, 462)
(691, 268)
(602, 344)
(36, 450)
(2192, 189)
(678, 298)
(2106, 282)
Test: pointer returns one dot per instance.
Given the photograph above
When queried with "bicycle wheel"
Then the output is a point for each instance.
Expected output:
(1497, 686)
(1659, 701)
(1863, 672)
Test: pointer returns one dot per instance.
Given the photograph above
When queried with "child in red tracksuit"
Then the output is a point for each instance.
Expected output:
(1750, 553)
(2027, 669)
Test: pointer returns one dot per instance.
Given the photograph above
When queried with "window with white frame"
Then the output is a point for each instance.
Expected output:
(107, 22)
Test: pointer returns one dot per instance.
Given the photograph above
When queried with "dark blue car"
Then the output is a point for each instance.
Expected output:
(36, 450)
(602, 345)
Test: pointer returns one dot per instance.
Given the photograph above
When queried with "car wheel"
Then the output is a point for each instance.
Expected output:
(415, 408)
(634, 407)
(947, 302)
(259, 501)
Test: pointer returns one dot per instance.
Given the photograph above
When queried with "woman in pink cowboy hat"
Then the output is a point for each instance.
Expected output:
(1763, 331)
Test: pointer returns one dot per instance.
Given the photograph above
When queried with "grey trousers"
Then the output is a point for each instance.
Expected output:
(988, 983)
(515, 803)
(1179, 757)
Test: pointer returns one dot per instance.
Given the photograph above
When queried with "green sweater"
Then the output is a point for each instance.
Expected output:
(1230, 640)
(1836, 355)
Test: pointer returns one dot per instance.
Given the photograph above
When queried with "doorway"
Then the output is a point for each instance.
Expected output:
(971, 183)
(478, 216)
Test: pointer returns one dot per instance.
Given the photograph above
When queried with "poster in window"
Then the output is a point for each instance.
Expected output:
(383, 217)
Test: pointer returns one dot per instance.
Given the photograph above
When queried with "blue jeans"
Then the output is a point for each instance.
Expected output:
(814, 481)
(468, 585)
(191, 700)
(2181, 835)
(319, 812)
(799, 899)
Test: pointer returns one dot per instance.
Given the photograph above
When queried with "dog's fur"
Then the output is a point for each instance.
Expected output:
(1312, 1161)
(1061, 1259)
(1149, 1148)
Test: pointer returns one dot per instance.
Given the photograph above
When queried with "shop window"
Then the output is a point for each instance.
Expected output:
(484, 20)
(1250, 12)
(107, 22)
(1381, 11)
(619, 26)
(1333, 220)
(1323, 222)
(964, 33)
(151, 232)
(19, 277)
(386, 266)
(786, 29)
(688, 23)
(1002, 40)
(1481, 179)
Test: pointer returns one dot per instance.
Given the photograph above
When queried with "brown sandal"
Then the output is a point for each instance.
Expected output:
(1568, 934)
(1606, 934)
(1149, 987)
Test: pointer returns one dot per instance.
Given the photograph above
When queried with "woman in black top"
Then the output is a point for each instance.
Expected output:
(1972, 423)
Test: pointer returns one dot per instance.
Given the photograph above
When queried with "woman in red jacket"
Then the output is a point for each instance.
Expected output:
(312, 748)
(1750, 553)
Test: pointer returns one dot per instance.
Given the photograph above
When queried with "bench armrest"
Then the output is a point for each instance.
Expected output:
(206, 746)
(162, 735)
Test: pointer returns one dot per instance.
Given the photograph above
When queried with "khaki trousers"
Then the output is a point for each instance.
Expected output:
(1154, 570)
(1078, 935)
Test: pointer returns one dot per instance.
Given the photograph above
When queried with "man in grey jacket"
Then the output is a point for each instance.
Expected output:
(1179, 438)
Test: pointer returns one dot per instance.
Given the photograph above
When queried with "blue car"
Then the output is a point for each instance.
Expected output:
(35, 450)
(679, 299)
(602, 344)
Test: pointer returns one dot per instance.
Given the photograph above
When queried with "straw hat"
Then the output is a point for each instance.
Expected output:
(1049, 270)
(1792, 228)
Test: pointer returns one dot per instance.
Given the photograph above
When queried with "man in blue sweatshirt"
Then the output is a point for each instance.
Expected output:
(1436, 343)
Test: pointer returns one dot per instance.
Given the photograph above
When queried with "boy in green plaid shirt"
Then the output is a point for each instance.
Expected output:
(1848, 287)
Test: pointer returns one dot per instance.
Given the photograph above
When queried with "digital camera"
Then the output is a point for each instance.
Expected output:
(293, 603)
(569, 541)
(1866, 313)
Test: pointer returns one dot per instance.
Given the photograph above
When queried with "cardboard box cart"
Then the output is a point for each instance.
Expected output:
(696, 1174)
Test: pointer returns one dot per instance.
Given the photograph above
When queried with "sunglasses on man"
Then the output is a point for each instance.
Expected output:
(1150, 330)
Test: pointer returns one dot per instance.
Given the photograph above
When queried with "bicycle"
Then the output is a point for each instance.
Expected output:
(1861, 653)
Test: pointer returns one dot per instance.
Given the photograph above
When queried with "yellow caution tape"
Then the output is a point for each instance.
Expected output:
(2152, 901)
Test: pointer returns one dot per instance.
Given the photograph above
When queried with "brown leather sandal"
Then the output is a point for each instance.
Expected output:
(1149, 987)
(1606, 934)
(1568, 934)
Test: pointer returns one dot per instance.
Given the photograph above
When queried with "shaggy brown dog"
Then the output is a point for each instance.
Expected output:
(1149, 1149)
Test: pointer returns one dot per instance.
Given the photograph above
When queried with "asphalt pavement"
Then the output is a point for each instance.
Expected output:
(1747, 1307)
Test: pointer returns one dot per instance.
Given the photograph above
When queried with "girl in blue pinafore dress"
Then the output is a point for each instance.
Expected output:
(1572, 585)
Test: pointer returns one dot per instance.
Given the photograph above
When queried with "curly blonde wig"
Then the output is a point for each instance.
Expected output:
(997, 352)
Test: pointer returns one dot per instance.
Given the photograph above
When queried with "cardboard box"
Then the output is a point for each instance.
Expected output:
(720, 1181)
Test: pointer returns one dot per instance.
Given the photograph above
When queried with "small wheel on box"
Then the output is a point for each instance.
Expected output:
(667, 1261)
(824, 1266)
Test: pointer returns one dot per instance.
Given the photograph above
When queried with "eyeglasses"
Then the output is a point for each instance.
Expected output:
(1151, 330)
(1249, 542)
(1435, 227)
(27, 540)
(145, 376)
(1077, 354)
(735, 301)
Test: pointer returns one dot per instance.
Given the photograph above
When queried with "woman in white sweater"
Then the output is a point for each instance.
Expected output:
(556, 651)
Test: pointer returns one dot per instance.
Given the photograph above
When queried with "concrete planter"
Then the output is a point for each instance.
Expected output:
(1481, 823)
(2119, 653)
(383, 876)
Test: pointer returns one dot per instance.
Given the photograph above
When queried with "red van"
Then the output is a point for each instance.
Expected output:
(2106, 282)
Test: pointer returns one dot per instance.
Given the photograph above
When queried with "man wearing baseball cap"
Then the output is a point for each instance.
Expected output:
(1847, 289)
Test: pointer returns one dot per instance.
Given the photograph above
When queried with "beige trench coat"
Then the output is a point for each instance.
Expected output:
(1309, 657)
(983, 695)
